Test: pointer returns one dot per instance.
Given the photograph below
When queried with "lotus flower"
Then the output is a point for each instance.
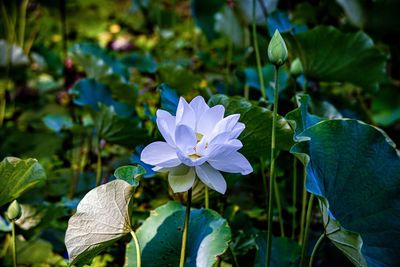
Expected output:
(199, 142)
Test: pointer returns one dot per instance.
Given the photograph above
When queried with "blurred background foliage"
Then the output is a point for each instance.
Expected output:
(80, 82)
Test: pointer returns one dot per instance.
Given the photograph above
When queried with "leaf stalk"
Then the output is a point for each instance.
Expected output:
(185, 229)
(306, 231)
(138, 256)
(272, 169)
(14, 243)
(315, 249)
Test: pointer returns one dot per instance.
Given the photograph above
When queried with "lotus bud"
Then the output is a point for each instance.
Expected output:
(14, 211)
(296, 68)
(277, 51)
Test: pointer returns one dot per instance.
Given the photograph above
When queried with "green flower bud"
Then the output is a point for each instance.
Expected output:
(277, 51)
(14, 211)
(296, 68)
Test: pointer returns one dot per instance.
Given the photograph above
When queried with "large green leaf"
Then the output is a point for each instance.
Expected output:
(89, 92)
(143, 62)
(97, 61)
(355, 170)
(102, 217)
(227, 23)
(256, 137)
(117, 130)
(18, 176)
(204, 15)
(284, 252)
(130, 174)
(108, 70)
(160, 237)
(385, 107)
(34, 252)
(299, 118)
(330, 55)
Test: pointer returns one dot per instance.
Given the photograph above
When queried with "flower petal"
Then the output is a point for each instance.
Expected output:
(226, 124)
(223, 150)
(209, 119)
(185, 139)
(185, 114)
(237, 130)
(181, 178)
(211, 178)
(233, 162)
(160, 154)
(166, 126)
(199, 106)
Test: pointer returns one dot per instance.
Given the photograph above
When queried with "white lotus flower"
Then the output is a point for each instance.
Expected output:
(199, 141)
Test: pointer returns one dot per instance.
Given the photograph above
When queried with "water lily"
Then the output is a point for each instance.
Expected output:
(199, 142)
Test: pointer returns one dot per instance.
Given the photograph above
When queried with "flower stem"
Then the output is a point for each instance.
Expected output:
(138, 257)
(306, 231)
(315, 249)
(206, 197)
(14, 245)
(3, 104)
(185, 228)
(246, 91)
(258, 59)
(279, 206)
(236, 264)
(303, 207)
(22, 23)
(272, 169)
(63, 17)
(99, 164)
(294, 197)
(264, 177)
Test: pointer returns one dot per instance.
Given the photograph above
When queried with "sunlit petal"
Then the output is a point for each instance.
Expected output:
(181, 178)
(185, 139)
(185, 114)
(160, 154)
(237, 130)
(226, 124)
(166, 126)
(211, 178)
(199, 106)
(209, 119)
(233, 162)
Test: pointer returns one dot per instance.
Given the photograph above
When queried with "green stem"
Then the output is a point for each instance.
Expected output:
(272, 169)
(246, 91)
(236, 264)
(264, 177)
(305, 86)
(206, 197)
(3, 103)
(22, 23)
(315, 249)
(258, 59)
(306, 231)
(185, 228)
(99, 164)
(294, 197)
(138, 257)
(14, 245)
(279, 206)
(63, 17)
(303, 206)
